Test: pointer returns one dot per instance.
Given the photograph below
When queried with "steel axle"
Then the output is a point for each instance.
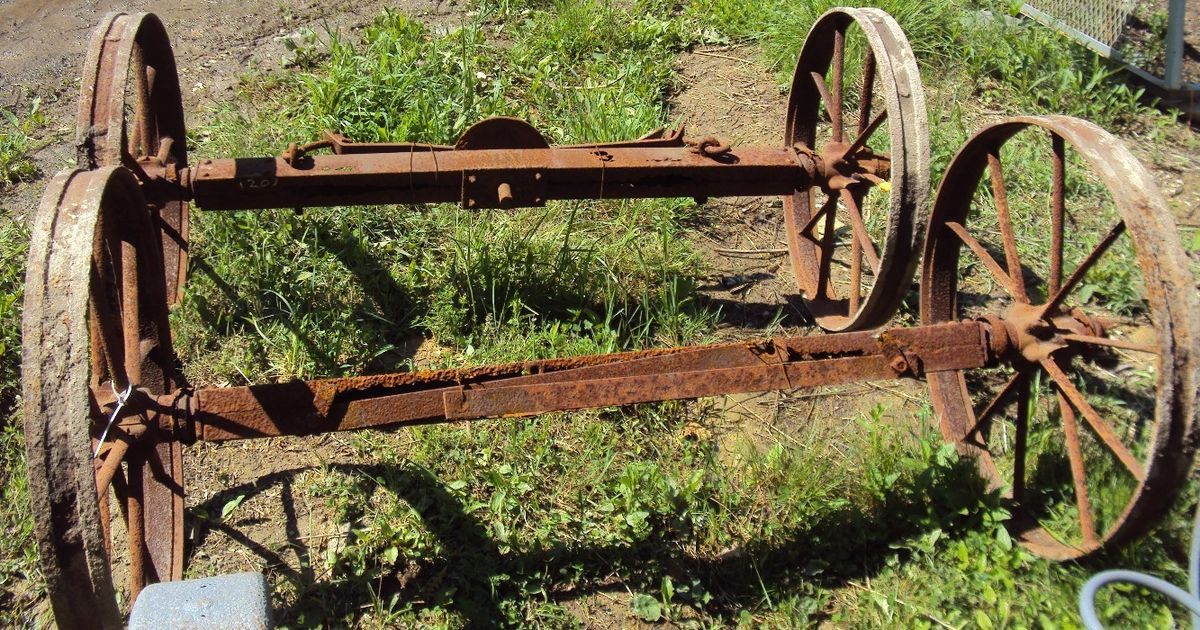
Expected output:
(107, 411)
(523, 389)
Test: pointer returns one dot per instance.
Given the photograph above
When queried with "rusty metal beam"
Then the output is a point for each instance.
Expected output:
(490, 178)
(465, 403)
(304, 408)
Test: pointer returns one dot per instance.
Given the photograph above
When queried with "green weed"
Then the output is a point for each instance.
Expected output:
(1015, 64)
(502, 520)
(1039, 71)
(443, 272)
(405, 83)
(533, 521)
(20, 584)
(14, 244)
(16, 143)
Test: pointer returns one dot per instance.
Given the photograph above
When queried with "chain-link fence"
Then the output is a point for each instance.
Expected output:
(1102, 20)
(1115, 29)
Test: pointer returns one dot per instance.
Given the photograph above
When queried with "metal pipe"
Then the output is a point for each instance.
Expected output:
(313, 407)
(1174, 71)
(492, 178)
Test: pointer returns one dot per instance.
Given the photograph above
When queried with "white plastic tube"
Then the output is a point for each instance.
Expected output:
(1087, 596)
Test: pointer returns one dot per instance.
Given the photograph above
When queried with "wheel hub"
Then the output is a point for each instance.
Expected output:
(1037, 335)
(840, 165)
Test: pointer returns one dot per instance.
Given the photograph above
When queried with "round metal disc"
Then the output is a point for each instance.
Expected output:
(95, 323)
(1069, 247)
(502, 132)
(129, 106)
(855, 234)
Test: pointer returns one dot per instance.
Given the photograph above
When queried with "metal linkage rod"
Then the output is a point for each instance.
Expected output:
(491, 178)
(521, 389)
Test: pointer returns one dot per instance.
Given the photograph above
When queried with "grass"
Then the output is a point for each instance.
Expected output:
(663, 513)
(985, 61)
(14, 239)
(16, 143)
(20, 584)
(1113, 290)
(451, 275)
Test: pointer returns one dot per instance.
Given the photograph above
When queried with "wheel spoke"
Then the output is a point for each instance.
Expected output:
(106, 332)
(839, 71)
(1022, 438)
(130, 317)
(864, 134)
(1102, 428)
(1057, 212)
(868, 93)
(859, 227)
(807, 230)
(1112, 343)
(136, 528)
(113, 452)
(1085, 266)
(156, 94)
(826, 97)
(143, 129)
(113, 456)
(828, 242)
(1078, 472)
(855, 276)
(998, 274)
(105, 520)
(985, 416)
(1011, 259)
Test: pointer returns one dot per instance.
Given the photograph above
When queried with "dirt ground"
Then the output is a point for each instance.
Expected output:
(281, 530)
(1191, 44)
(42, 44)
(728, 95)
(1140, 29)
(217, 41)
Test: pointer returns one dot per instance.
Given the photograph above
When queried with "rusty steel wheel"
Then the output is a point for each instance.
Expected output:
(856, 117)
(95, 330)
(1051, 230)
(131, 114)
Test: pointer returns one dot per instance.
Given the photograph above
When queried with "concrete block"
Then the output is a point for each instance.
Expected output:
(241, 600)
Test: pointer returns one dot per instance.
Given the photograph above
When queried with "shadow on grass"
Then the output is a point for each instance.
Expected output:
(388, 305)
(746, 314)
(239, 317)
(482, 582)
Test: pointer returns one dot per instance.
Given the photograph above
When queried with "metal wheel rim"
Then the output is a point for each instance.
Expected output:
(900, 80)
(60, 406)
(122, 46)
(1169, 292)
